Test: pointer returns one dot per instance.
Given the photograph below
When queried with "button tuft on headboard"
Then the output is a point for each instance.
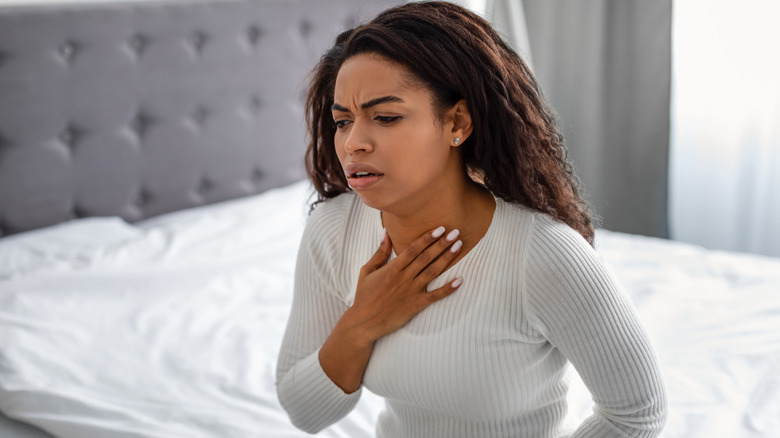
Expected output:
(140, 124)
(305, 28)
(197, 41)
(301, 93)
(3, 140)
(257, 175)
(68, 51)
(69, 136)
(199, 116)
(253, 35)
(255, 103)
(143, 198)
(79, 211)
(137, 44)
(205, 186)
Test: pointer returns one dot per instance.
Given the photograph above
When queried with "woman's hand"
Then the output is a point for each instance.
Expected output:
(388, 295)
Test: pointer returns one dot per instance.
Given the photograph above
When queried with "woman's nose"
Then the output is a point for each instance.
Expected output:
(358, 139)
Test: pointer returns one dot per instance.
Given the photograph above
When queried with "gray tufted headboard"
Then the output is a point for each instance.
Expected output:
(139, 108)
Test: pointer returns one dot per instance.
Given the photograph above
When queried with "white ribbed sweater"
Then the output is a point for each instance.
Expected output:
(489, 360)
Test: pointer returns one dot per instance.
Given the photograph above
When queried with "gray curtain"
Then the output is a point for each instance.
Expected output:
(605, 67)
(508, 18)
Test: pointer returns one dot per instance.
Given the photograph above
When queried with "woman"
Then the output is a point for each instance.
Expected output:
(448, 266)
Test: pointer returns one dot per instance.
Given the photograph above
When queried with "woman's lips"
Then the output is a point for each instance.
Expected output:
(362, 182)
(361, 176)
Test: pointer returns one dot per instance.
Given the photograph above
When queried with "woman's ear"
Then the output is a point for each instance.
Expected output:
(461, 123)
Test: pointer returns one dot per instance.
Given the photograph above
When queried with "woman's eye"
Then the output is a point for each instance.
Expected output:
(341, 123)
(387, 119)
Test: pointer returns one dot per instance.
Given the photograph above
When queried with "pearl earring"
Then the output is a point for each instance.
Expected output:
(457, 141)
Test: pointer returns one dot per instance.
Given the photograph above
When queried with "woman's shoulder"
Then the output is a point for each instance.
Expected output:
(542, 229)
(545, 244)
(331, 228)
(557, 257)
(332, 212)
(330, 219)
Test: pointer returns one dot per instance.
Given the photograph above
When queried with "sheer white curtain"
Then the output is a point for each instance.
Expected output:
(725, 139)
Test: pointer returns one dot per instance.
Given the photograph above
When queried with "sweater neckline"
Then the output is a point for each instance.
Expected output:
(476, 249)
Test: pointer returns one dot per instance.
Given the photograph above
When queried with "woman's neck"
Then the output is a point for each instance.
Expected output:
(468, 208)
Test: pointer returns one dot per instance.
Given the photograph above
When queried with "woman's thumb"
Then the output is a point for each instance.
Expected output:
(382, 253)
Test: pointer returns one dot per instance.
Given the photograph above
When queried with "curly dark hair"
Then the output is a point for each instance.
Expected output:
(516, 150)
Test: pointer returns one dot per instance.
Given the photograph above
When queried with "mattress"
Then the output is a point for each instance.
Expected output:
(170, 327)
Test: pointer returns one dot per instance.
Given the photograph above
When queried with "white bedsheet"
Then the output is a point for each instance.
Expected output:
(170, 328)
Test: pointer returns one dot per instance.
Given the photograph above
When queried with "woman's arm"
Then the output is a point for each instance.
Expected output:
(577, 304)
(310, 398)
(327, 345)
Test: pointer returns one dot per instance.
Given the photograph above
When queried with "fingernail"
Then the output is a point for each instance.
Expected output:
(438, 232)
(453, 234)
(456, 246)
(457, 282)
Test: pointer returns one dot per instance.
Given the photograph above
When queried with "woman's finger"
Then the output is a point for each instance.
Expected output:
(442, 292)
(434, 269)
(380, 256)
(432, 253)
(418, 246)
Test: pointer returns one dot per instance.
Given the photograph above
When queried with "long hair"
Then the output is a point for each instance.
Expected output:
(515, 150)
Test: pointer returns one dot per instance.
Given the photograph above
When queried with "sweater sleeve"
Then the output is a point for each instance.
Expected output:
(578, 305)
(310, 398)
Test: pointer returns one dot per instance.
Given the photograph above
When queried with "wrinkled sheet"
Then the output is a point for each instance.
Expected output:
(171, 327)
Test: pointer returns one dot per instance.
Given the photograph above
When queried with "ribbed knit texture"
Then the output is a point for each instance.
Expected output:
(489, 360)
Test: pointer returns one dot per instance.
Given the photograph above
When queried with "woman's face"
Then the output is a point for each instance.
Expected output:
(397, 156)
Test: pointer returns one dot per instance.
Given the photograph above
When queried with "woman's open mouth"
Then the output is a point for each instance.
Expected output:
(362, 176)
(363, 180)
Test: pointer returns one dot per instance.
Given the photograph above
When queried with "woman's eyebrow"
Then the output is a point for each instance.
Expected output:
(370, 103)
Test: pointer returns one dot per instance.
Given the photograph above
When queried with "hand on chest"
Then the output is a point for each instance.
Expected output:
(463, 355)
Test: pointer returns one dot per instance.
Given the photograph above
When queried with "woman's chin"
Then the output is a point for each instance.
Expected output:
(370, 199)
(380, 200)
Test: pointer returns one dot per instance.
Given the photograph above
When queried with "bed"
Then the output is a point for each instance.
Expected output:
(152, 198)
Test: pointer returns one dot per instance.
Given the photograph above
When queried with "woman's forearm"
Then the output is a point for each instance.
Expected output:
(344, 355)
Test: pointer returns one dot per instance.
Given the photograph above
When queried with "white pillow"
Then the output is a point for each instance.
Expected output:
(69, 245)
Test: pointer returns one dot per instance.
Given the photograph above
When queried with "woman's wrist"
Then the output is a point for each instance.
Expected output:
(344, 355)
(355, 331)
